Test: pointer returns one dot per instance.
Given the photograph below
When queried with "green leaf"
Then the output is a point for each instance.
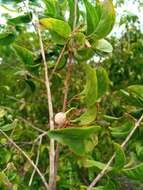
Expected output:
(87, 117)
(84, 54)
(91, 88)
(111, 185)
(137, 89)
(23, 19)
(90, 143)
(139, 151)
(71, 10)
(50, 8)
(3, 112)
(57, 38)
(4, 179)
(75, 138)
(4, 156)
(99, 188)
(135, 173)
(24, 55)
(7, 38)
(120, 158)
(103, 81)
(79, 40)
(121, 130)
(60, 27)
(107, 19)
(7, 127)
(11, 1)
(31, 84)
(92, 163)
(92, 18)
(131, 98)
(102, 45)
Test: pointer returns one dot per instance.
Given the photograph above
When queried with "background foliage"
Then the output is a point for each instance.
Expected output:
(106, 94)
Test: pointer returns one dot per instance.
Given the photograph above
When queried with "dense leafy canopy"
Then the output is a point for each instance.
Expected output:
(104, 78)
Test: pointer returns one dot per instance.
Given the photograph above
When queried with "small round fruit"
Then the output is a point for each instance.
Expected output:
(60, 118)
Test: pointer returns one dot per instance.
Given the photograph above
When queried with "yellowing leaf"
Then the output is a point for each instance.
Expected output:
(91, 88)
(2, 112)
(107, 19)
(102, 80)
(60, 27)
(136, 89)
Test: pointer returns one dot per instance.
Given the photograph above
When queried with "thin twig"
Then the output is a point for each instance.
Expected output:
(67, 80)
(103, 172)
(68, 76)
(30, 16)
(75, 14)
(51, 114)
(31, 125)
(36, 163)
(40, 136)
(36, 78)
(27, 157)
(58, 60)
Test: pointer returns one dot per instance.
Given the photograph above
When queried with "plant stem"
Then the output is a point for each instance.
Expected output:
(51, 116)
(31, 125)
(67, 80)
(58, 60)
(103, 172)
(27, 157)
(37, 161)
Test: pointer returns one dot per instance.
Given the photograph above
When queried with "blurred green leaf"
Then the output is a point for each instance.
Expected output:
(24, 55)
(106, 20)
(84, 54)
(102, 80)
(7, 38)
(135, 173)
(91, 88)
(71, 10)
(92, 17)
(102, 45)
(137, 89)
(23, 19)
(120, 158)
(87, 117)
(121, 130)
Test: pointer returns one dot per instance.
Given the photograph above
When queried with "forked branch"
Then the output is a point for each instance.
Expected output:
(103, 172)
(27, 157)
